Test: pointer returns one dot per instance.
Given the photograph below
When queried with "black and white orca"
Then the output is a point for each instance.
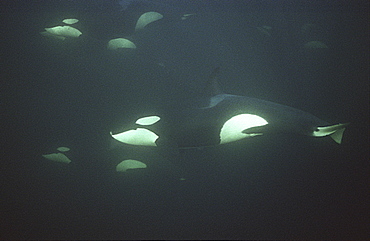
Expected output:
(223, 118)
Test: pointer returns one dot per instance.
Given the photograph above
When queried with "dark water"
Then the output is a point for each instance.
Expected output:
(74, 92)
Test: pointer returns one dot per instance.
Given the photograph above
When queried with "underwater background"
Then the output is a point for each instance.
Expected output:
(74, 92)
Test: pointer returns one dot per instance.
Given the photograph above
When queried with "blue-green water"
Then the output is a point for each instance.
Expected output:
(74, 92)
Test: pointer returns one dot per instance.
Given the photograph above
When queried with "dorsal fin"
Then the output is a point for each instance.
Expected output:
(212, 87)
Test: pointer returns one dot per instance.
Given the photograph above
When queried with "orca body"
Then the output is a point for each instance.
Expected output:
(224, 118)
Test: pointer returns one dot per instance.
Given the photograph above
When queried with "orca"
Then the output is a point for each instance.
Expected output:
(220, 118)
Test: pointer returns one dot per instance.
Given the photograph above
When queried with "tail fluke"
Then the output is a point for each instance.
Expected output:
(335, 131)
